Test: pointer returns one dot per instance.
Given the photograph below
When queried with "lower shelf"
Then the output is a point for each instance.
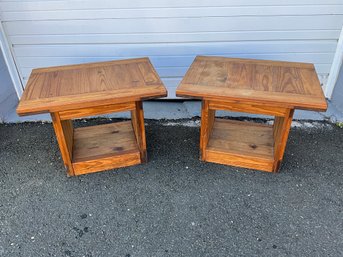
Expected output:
(104, 147)
(243, 144)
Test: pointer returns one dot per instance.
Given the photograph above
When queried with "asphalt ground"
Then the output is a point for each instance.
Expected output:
(174, 205)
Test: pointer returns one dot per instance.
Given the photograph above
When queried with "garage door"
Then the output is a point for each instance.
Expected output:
(171, 33)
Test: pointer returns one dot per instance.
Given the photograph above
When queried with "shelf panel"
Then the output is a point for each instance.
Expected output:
(104, 147)
(107, 163)
(240, 143)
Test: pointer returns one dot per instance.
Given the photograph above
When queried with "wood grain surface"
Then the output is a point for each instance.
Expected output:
(245, 138)
(106, 163)
(207, 120)
(96, 142)
(96, 110)
(137, 120)
(273, 83)
(243, 144)
(64, 134)
(87, 85)
(104, 147)
(281, 128)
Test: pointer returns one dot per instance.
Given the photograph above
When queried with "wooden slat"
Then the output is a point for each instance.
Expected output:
(104, 147)
(64, 135)
(102, 141)
(259, 97)
(249, 108)
(281, 130)
(242, 138)
(137, 119)
(239, 160)
(96, 110)
(242, 144)
(207, 120)
(107, 163)
(68, 130)
(220, 59)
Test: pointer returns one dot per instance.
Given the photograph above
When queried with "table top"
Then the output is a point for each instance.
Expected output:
(69, 87)
(286, 84)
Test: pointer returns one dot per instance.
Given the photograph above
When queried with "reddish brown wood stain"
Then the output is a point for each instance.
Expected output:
(253, 86)
(76, 91)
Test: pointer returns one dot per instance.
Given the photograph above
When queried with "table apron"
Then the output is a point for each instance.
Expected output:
(248, 108)
(96, 110)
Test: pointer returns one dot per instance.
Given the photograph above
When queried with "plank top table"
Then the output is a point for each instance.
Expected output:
(254, 86)
(75, 91)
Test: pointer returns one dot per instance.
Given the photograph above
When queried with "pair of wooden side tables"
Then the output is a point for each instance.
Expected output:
(243, 85)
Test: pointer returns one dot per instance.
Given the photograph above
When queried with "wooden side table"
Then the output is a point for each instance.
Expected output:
(253, 86)
(75, 91)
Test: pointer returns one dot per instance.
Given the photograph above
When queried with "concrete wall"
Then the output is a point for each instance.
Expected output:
(8, 96)
(337, 97)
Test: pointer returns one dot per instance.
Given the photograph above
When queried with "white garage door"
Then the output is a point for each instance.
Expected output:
(171, 32)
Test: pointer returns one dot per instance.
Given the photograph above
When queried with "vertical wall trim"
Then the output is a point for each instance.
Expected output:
(9, 60)
(335, 67)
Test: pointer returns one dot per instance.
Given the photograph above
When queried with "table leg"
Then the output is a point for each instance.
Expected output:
(64, 133)
(281, 129)
(137, 119)
(207, 120)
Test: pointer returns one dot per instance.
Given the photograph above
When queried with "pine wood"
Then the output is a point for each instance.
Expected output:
(239, 160)
(104, 147)
(253, 86)
(64, 135)
(96, 110)
(281, 128)
(95, 142)
(251, 108)
(272, 83)
(75, 91)
(137, 118)
(87, 85)
(112, 162)
(247, 138)
(206, 127)
(241, 144)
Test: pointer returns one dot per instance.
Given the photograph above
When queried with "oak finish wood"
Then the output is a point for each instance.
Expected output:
(251, 108)
(281, 128)
(64, 132)
(96, 110)
(104, 147)
(79, 86)
(273, 83)
(239, 160)
(76, 91)
(107, 163)
(245, 138)
(206, 127)
(253, 86)
(137, 119)
(96, 142)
